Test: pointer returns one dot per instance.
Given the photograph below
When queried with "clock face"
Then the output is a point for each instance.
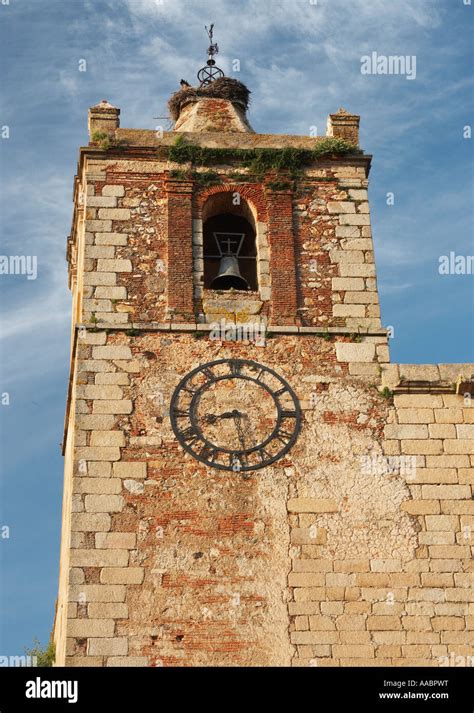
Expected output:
(235, 414)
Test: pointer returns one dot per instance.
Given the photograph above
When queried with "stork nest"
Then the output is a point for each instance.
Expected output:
(223, 88)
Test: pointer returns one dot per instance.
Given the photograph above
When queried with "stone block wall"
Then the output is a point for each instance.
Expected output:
(355, 549)
(393, 587)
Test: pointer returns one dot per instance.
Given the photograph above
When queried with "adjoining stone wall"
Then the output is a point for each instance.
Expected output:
(387, 579)
(173, 563)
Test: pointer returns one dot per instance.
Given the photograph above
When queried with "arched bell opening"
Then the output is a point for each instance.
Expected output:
(229, 245)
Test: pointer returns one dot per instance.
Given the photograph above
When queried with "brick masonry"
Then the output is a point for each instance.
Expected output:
(138, 265)
(356, 547)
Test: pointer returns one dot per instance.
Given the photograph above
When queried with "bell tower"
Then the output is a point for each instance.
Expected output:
(226, 353)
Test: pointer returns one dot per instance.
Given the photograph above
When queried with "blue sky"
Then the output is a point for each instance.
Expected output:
(302, 60)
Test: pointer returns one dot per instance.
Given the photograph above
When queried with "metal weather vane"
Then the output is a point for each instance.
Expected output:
(210, 72)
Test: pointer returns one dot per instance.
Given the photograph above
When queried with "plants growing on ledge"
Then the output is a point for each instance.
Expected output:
(101, 138)
(204, 178)
(260, 161)
(105, 141)
(207, 178)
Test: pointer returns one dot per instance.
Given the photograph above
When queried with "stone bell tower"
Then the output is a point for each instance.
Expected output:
(227, 498)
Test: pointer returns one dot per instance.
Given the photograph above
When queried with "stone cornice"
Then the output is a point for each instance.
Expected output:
(160, 149)
(197, 327)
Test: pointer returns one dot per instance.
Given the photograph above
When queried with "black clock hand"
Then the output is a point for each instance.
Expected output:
(237, 416)
(213, 417)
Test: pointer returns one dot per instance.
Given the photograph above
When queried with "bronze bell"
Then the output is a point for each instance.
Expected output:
(229, 275)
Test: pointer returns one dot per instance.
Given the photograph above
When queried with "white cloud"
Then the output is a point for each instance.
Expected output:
(301, 15)
(34, 328)
(69, 82)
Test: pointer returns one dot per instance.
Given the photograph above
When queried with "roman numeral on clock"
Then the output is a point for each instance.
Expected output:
(284, 436)
(235, 367)
(264, 455)
(189, 435)
(178, 413)
(209, 453)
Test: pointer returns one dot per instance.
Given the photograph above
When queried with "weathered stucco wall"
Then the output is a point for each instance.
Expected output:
(322, 559)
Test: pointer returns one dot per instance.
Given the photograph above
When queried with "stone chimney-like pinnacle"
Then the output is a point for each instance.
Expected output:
(344, 125)
(103, 119)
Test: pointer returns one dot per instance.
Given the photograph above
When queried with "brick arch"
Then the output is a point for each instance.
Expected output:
(256, 204)
(252, 194)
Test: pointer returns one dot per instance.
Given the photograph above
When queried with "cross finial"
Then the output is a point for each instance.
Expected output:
(210, 73)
